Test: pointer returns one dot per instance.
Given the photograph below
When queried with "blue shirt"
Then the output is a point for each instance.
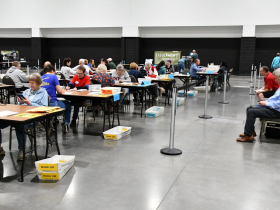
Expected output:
(182, 60)
(137, 74)
(274, 101)
(275, 62)
(50, 81)
(194, 69)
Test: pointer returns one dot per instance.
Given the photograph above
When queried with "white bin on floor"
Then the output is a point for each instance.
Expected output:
(192, 93)
(181, 93)
(180, 101)
(154, 111)
(54, 168)
(117, 133)
(201, 89)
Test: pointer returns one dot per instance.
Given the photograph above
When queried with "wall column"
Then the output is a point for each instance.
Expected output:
(130, 44)
(247, 50)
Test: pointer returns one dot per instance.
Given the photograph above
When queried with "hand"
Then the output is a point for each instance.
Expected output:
(63, 91)
(120, 80)
(262, 103)
(204, 70)
(74, 89)
(67, 88)
(23, 101)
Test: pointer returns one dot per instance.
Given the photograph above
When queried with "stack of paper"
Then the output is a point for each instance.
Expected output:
(43, 109)
(7, 113)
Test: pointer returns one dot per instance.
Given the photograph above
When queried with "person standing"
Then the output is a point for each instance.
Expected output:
(270, 84)
(276, 62)
(194, 56)
(181, 65)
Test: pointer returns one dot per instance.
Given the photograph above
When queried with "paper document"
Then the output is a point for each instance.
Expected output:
(7, 113)
(258, 91)
(43, 109)
(81, 90)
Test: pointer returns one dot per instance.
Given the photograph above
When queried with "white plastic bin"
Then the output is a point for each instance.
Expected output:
(201, 89)
(117, 133)
(154, 111)
(181, 93)
(180, 101)
(54, 168)
(192, 93)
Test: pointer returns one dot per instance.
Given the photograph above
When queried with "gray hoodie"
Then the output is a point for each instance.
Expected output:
(18, 76)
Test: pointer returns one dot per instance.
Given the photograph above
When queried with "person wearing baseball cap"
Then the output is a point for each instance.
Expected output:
(111, 63)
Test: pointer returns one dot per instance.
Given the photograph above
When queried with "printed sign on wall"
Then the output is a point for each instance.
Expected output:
(174, 56)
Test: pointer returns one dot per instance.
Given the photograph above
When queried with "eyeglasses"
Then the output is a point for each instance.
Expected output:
(80, 73)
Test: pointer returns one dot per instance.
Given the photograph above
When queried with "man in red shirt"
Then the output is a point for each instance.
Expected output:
(270, 84)
(79, 81)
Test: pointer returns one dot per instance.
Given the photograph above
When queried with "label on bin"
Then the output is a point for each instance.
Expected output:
(110, 136)
(107, 91)
(151, 115)
(158, 108)
(62, 161)
(47, 167)
(124, 129)
(49, 175)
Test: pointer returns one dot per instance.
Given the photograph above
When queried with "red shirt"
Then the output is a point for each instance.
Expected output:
(270, 82)
(80, 82)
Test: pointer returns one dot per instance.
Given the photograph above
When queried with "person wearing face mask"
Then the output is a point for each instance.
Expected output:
(82, 63)
(151, 71)
(121, 75)
(34, 96)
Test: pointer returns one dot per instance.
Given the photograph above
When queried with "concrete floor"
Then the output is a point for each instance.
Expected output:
(214, 171)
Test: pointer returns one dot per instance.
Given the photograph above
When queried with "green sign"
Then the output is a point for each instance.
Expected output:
(174, 56)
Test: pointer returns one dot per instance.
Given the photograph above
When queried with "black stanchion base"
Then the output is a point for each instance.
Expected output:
(205, 116)
(252, 94)
(223, 102)
(173, 151)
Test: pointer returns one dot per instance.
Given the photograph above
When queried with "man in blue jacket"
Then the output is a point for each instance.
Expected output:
(265, 109)
(276, 61)
(194, 69)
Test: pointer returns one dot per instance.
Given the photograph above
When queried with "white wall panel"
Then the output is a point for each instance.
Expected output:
(268, 31)
(191, 32)
(15, 33)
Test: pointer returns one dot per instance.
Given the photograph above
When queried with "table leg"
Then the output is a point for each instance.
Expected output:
(104, 117)
(113, 114)
(47, 136)
(56, 141)
(142, 97)
(35, 141)
(109, 110)
(145, 99)
(8, 96)
(23, 160)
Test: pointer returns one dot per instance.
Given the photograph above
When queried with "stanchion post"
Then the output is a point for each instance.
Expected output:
(205, 116)
(255, 77)
(27, 69)
(55, 66)
(171, 150)
(59, 64)
(225, 86)
(251, 79)
(38, 65)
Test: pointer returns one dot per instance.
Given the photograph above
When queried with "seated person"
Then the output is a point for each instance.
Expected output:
(265, 109)
(270, 84)
(103, 77)
(134, 71)
(34, 96)
(66, 69)
(45, 64)
(51, 84)
(82, 63)
(122, 76)
(17, 76)
(194, 69)
(91, 64)
(111, 63)
(151, 71)
(160, 68)
(79, 81)
(169, 67)
(137, 74)
(223, 68)
(103, 61)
